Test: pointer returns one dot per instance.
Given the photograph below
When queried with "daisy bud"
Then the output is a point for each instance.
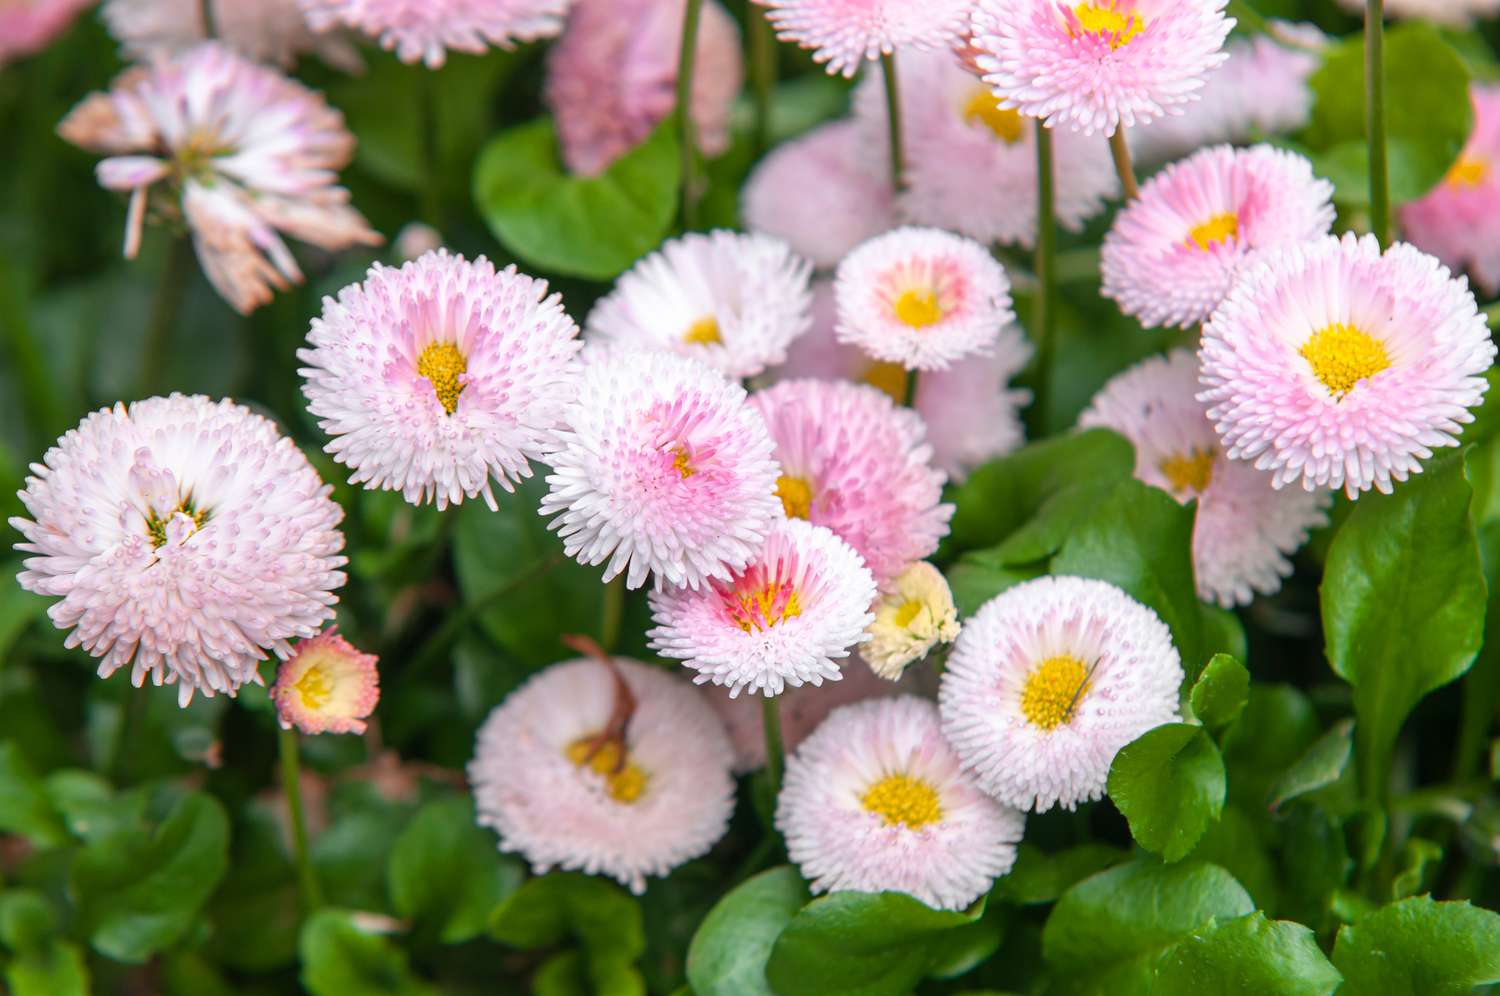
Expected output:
(910, 619)
(327, 686)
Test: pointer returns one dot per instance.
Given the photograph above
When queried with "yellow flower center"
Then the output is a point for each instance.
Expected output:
(623, 779)
(1053, 690)
(903, 799)
(887, 377)
(1006, 123)
(1219, 228)
(907, 612)
(703, 332)
(682, 464)
(1107, 19)
(1190, 471)
(1342, 356)
(919, 308)
(796, 496)
(442, 364)
(156, 527)
(1469, 171)
(764, 607)
(315, 688)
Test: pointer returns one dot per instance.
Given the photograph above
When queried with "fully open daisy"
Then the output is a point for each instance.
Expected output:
(845, 33)
(1048, 680)
(27, 26)
(273, 31)
(327, 686)
(876, 800)
(788, 618)
(1174, 252)
(426, 30)
(1333, 364)
(436, 377)
(733, 301)
(184, 537)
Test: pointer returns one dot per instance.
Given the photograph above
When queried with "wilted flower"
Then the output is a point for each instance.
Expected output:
(27, 26)
(846, 33)
(427, 30)
(327, 686)
(274, 31)
(914, 615)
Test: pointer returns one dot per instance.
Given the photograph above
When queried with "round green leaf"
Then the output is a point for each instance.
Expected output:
(1220, 692)
(1249, 955)
(1170, 785)
(1321, 766)
(340, 959)
(548, 910)
(445, 873)
(1038, 877)
(1418, 947)
(729, 952)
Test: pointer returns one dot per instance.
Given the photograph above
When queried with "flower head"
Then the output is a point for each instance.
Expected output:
(427, 30)
(28, 26)
(922, 298)
(1342, 367)
(274, 31)
(914, 615)
(1453, 13)
(1096, 66)
(184, 536)
(846, 33)
(327, 686)
(788, 618)
(660, 465)
(1174, 252)
(876, 800)
(611, 768)
(733, 301)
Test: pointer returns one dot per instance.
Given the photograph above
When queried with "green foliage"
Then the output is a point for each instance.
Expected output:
(1322, 765)
(24, 806)
(339, 958)
(445, 874)
(1169, 783)
(565, 906)
(729, 952)
(1419, 947)
(42, 963)
(1220, 693)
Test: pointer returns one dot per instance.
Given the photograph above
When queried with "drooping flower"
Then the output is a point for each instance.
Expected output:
(617, 769)
(1174, 252)
(660, 465)
(612, 77)
(1048, 680)
(914, 615)
(845, 34)
(852, 460)
(1342, 367)
(183, 537)
(28, 26)
(922, 298)
(1456, 220)
(427, 30)
(237, 150)
(274, 31)
(733, 301)
(788, 618)
(876, 800)
(1100, 64)
(1244, 529)
(327, 686)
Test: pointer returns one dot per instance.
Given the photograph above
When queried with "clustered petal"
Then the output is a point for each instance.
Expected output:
(426, 30)
(28, 26)
(274, 31)
(844, 34)
(914, 615)
(327, 686)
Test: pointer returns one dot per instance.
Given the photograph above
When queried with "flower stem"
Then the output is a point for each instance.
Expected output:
(1046, 270)
(611, 612)
(910, 400)
(893, 118)
(291, 785)
(1120, 149)
(775, 751)
(432, 172)
(1380, 198)
(687, 56)
(176, 269)
(132, 704)
(762, 73)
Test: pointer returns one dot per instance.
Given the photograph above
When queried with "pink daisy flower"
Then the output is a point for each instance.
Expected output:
(876, 800)
(612, 78)
(273, 31)
(327, 686)
(28, 26)
(660, 465)
(1456, 221)
(853, 461)
(1244, 529)
(846, 33)
(1454, 13)
(1097, 66)
(611, 769)
(1174, 252)
(1338, 366)
(427, 30)
(436, 377)
(787, 618)
(1048, 680)
(733, 301)
(184, 537)
(922, 298)
(242, 154)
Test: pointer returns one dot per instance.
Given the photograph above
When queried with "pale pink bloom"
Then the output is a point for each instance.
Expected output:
(852, 460)
(732, 300)
(1245, 529)
(273, 31)
(612, 78)
(1454, 13)
(566, 790)
(847, 33)
(1456, 221)
(427, 30)
(875, 800)
(327, 686)
(788, 618)
(821, 193)
(28, 26)
(184, 537)
(416, 239)
(1334, 365)
(435, 378)
(1097, 66)
(660, 465)
(1048, 680)
(1174, 252)
(922, 298)
(242, 153)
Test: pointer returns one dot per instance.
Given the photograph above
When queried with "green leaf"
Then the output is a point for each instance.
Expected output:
(1223, 633)
(445, 872)
(729, 952)
(1249, 955)
(604, 918)
(1234, 843)
(1169, 783)
(1220, 693)
(1038, 877)
(1322, 765)
(24, 806)
(340, 959)
(591, 227)
(55, 968)
(973, 583)
(1417, 854)
(1418, 947)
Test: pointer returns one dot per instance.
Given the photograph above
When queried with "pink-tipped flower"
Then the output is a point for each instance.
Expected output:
(28, 26)
(439, 376)
(274, 31)
(734, 301)
(788, 618)
(853, 461)
(1456, 221)
(612, 78)
(1244, 529)
(427, 30)
(1174, 252)
(845, 34)
(327, 686)
(922, 298)
(876, 800)
(1453, 13)
(182, 536)
(661, 466)
(1100, 64)
(237, 150)
(1333, 364)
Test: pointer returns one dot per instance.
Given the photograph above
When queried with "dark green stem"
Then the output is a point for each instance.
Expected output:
(291, 786)
(611, 612)
(1119, 148)
(911, 388)
(687, 56)
(176, 269)
(1046, 271)
(762, 73)
(132, 704)
(893, 118)
(432, 171)
(1380, 197)
(775, 751)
